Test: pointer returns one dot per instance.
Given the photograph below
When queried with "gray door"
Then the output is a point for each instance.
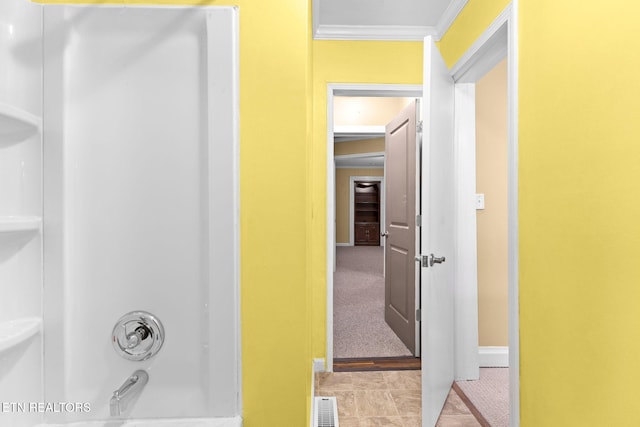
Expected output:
(401, 272)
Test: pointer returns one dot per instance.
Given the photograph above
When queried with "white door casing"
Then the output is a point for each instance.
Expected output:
(333, 90)
(498, 40)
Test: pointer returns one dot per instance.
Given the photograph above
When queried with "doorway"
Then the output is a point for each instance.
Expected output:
(489, 394)
(366, 212)
(360, 332)
(498, 40)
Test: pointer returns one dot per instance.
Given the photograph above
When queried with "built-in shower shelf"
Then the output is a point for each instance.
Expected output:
(9, 224)
(14, 332)
(16, 232)
(16, 125)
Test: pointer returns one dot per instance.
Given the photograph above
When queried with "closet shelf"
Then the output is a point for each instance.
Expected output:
(16, 125)
(19, 223)
(14, 332)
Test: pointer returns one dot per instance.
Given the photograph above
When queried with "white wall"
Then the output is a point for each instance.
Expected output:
(20, 211)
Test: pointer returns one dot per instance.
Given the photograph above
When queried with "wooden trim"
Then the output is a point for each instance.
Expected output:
(401, 363)
(476, 413)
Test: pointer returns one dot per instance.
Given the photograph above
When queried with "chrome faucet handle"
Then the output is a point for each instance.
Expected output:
(137, 335)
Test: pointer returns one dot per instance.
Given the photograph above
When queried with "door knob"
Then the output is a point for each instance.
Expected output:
(385, 234)
(435, 260)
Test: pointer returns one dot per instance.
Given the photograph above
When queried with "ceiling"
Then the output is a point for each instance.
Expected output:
(383, 19)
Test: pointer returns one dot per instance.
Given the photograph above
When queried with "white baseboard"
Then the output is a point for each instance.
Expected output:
(318, 365)
(344, 244)
(493, 357)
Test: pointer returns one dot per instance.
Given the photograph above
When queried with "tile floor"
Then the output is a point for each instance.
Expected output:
(386, 399)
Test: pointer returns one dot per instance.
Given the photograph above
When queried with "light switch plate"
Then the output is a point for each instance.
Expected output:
(479, 201)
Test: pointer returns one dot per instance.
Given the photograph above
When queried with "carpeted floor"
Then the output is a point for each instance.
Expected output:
(359, 329)
(490, 395)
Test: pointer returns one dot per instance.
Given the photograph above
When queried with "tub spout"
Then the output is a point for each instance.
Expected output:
(128, 392)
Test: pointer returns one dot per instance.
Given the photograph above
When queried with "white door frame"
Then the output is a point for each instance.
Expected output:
(333, 90)
(498, 41)
(352, 180)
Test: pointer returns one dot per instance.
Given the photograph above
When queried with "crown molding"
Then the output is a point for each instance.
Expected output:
(373, 32)
(386, 32)
(315, 17)
(449, 16)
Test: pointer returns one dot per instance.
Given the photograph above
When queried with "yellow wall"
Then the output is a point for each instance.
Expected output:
(343, 188)
(476, 16)
(344, 62)
(578, 214)
(579, 210)
(274, 94)
(491, 180)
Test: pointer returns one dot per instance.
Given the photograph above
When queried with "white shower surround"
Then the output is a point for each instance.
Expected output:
(141, 208)
(184, 422)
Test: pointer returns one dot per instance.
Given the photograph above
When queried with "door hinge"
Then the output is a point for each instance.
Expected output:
(418, 315)
(419, 126)
(418, 220)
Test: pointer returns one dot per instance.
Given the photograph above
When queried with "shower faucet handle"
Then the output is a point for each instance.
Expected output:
(137, 335)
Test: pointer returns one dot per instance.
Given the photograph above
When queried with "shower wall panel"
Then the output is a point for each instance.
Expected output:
(20, 211)
(21, 55)
(141, 205)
